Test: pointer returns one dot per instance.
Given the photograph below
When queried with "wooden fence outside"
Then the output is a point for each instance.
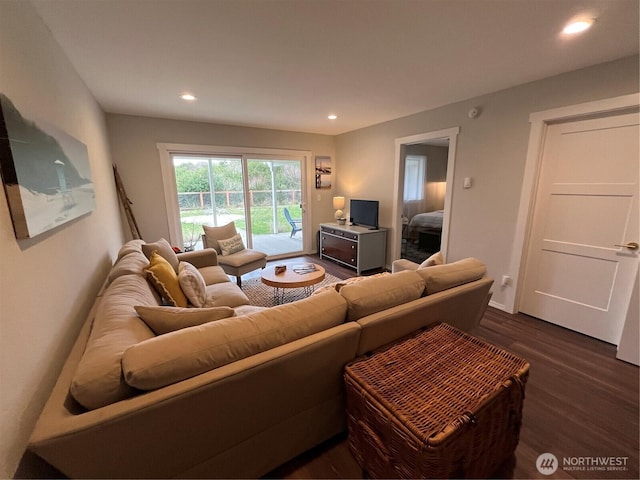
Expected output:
(235, 198)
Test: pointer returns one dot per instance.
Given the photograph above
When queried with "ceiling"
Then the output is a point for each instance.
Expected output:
(287, 64)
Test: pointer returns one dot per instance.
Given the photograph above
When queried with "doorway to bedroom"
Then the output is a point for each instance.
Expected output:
(425, 185)
(424, 170)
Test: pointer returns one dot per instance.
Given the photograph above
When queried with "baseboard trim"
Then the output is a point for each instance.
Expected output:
(499, 306)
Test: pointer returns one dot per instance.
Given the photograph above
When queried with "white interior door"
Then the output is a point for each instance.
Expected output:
(577, 274)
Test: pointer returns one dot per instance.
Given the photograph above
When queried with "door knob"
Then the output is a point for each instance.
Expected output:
(630, 246)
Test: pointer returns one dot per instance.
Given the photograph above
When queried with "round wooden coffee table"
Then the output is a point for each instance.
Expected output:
(291, 279)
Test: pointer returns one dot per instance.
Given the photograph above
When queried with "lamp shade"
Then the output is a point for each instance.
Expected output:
(338, 203)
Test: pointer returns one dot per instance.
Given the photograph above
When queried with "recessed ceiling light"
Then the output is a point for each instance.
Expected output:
(332, 117)
(578, 26)
(189, 97)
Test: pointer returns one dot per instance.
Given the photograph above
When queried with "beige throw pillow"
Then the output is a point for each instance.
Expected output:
(169, 319)
(231, 245)
(435, 259)
(164, 249)
(192, 284)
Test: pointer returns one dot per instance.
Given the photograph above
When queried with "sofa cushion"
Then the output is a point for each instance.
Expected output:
(225, 294)
(213, 233)
(98, 379)
(165, 280)
(192, 284)
(169, 319)
(164, 249)
(376, 294)
(337, 286)
(213, 275)
(179, 355)
(132, 263)
(241, 258)
(232, 245)
(131, 246)
(449, 275)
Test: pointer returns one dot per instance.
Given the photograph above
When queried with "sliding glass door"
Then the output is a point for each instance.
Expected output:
(262, 195)
(275, 205)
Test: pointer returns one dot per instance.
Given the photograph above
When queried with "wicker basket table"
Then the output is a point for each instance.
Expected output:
(442, 404)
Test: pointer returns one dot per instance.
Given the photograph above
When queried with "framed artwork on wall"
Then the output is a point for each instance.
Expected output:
(45, 172)
(323, 172)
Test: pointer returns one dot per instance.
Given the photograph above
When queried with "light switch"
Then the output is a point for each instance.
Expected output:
(467, 182)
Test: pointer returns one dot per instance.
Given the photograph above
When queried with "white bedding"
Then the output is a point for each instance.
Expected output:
(427, 220)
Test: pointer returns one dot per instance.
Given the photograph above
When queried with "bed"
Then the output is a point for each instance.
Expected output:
(427, 222)
(427, 227)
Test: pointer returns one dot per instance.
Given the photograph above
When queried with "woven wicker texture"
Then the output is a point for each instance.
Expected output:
(441, 404)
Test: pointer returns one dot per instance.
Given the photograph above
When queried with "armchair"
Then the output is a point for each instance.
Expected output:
(238, 263)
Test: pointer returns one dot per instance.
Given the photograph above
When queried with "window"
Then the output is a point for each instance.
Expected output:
(255, 188)
(414, 168)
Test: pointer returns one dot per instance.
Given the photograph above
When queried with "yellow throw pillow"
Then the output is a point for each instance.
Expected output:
(231, 245)
(165, 280)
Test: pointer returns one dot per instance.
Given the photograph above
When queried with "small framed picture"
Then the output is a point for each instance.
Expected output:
(323, 172)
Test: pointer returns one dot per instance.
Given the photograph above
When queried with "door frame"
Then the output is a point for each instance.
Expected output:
(170, 188)
(539, 123)
(396, 218)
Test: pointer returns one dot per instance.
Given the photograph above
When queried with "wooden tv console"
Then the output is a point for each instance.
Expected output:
(352, 246)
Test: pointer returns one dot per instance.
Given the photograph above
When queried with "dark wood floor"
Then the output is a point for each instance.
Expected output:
(580, 402)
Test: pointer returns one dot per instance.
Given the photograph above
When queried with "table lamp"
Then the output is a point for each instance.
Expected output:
(338, 204)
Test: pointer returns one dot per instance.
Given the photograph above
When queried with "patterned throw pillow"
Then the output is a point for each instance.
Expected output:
(231, 245)
(192, 284)
(164, 279)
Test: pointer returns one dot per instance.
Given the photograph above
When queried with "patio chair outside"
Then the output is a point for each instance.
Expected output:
(296, 224)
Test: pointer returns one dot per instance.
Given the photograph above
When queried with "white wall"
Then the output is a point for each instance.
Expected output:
(133, 145)
(47, 284)
(491, 149)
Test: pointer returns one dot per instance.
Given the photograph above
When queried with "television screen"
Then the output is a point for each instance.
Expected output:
(364, 213)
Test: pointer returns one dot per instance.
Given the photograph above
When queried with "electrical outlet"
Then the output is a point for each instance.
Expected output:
(506, 281)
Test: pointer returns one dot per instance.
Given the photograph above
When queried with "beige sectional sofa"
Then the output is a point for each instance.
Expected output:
(233, 397)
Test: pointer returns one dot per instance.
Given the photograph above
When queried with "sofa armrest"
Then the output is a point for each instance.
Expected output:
(207, 257)
(402, 265)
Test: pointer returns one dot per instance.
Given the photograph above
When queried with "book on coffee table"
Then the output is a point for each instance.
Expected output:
(304, 268)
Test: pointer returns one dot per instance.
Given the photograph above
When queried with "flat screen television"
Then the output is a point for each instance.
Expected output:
(364, 213)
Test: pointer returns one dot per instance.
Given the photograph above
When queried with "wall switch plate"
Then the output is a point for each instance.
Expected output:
(506, 281)
(467, 182)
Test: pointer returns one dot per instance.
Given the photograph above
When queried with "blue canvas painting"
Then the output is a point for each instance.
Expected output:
(46, 173)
